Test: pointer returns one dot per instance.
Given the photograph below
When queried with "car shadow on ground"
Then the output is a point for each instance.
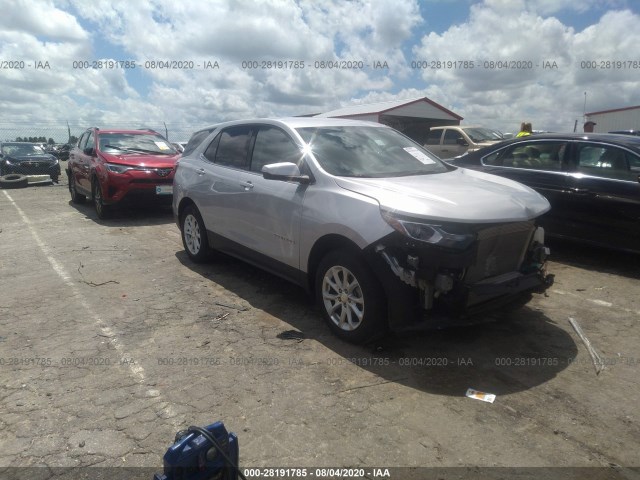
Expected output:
(519, 352)
(128, 215)
(594, 258)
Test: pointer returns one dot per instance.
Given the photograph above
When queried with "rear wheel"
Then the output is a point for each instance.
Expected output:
(194, 235)
(102, 210)
(350, 297)
(75, 196)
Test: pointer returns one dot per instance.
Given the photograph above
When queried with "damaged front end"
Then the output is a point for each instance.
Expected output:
(442, 274)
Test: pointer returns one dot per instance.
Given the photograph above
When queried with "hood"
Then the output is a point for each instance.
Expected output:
(31, 158)
(141, 159)
(462, 195)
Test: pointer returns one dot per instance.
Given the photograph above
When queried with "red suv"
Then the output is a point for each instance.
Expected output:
(111, 165)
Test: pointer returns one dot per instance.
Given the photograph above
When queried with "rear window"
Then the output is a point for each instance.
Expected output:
(434, 137)
(195, 140)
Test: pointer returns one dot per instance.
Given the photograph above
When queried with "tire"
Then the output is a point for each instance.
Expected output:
(194, 235)
(75, 196)
(14, 180)
(103, 211)
(350, 297)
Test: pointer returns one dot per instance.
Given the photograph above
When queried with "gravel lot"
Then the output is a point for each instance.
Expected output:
(111, 340)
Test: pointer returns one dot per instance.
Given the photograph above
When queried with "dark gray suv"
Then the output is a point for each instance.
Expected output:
(384, 234)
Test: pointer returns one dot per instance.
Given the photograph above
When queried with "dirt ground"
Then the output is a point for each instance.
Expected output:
(111, 340)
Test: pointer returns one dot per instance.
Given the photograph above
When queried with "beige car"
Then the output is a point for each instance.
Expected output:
(454, 140)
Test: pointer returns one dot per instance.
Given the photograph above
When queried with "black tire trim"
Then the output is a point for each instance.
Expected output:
(14, 180)
(373, 324)
(78, 197)
(205, 251)
(104, 210)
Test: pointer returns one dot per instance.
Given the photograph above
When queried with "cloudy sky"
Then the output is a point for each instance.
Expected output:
(199, 62)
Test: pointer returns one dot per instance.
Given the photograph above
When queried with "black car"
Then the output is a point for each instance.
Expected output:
(27, 159)
(592, 182)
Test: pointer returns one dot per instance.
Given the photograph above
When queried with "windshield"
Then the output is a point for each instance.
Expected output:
(123, 143)
(356, 151)
(480, 135)
(22, 149)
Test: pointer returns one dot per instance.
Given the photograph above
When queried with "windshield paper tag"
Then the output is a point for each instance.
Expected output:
(417, 154)
(162, 145)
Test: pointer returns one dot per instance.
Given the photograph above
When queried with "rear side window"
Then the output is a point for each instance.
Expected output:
(233, 148)
(273, 146)
(434, 137)
(535, 156)
(195, 140)
(210, 152)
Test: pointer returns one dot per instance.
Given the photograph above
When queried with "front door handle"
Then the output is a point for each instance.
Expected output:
(247, 185)
(200, 171)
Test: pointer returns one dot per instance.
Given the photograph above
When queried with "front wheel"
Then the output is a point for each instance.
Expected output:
(350, 297)
(102, 210)
(194, 235)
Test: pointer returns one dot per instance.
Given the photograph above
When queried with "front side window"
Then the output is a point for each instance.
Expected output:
(89, 142)
(375, 152)
(452, 137)
(530, 155)
(273, 146)
(233, 148)
(605, 160)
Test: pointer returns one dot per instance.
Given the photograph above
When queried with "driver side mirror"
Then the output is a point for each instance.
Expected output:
(286, 171)
(462, 142)
(89, 151)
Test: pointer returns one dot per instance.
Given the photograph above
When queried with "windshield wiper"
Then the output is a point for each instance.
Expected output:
(137, 150)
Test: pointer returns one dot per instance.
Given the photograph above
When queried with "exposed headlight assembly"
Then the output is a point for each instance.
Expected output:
(430, 233)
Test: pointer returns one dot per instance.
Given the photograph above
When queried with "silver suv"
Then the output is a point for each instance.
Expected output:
(384, 234)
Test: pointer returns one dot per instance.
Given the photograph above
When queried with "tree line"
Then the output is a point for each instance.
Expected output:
(50, 141)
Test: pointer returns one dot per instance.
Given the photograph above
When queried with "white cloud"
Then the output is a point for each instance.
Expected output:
(501, 30)
(63, 31)
(40, 18)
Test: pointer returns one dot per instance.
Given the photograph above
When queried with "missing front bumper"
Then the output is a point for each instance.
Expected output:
(505, 266)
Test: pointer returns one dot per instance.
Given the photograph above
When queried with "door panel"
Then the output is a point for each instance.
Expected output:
(269, 211)
(540, 165)
(606, 195)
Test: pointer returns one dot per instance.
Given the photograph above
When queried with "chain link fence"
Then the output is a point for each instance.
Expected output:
(52, 133)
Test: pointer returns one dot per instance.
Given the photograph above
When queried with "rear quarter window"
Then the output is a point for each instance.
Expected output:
(195, 140)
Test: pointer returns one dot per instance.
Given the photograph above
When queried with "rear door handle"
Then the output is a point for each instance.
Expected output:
(200, 171)
(247, 185)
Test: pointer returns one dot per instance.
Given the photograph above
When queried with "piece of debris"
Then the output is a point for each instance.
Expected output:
(598, 364)
(291, 335)
(235, 307)
(476, 394)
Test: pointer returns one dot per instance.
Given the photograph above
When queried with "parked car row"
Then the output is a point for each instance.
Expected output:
(383, 233)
